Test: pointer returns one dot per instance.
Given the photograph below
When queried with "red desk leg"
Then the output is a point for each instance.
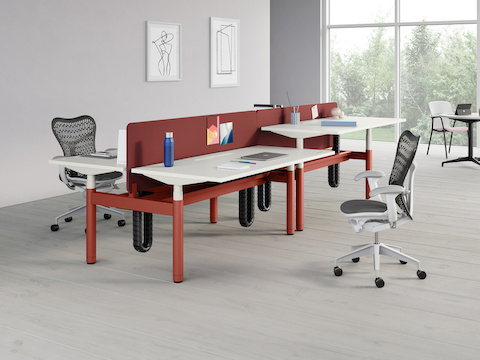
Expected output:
(300, 197)
(214, 210)
(91, 222)
(177, 235)
(291, 200)
(368, 166)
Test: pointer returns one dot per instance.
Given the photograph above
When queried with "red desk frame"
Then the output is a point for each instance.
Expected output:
(144, 147)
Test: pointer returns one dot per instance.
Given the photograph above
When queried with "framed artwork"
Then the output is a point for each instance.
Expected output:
(164, 51)
(224, 52)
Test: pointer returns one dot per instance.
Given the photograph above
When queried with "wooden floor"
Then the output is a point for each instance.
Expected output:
(250, 293)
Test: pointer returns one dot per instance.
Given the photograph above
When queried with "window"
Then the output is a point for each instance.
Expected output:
(390, 58)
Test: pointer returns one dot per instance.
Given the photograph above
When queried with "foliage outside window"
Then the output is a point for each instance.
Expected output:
(437, 61)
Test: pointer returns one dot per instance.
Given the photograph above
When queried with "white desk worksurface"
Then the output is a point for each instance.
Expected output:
(203, 168)
(88, 165)
(313, 128)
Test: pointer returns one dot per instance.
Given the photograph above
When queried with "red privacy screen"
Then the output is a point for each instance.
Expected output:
(145, 139)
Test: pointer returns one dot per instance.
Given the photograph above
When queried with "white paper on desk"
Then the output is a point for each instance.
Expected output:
(122, 147)
(233, 166)
(314, 111)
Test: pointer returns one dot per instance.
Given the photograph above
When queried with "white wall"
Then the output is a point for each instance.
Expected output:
(295, 51)
(63, 58)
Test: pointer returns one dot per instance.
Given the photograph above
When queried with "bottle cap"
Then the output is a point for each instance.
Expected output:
(169, 134)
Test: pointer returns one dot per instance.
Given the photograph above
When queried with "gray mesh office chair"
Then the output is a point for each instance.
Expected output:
(77, 137)
(376, 215)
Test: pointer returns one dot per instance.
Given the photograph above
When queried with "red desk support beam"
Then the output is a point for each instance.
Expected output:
(177, 233)
(300, 197)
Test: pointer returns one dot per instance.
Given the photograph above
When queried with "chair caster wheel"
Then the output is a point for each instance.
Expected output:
(402, 262)
(356, 260)
(107, 216)
(421, 274)
(54, 227)
(379, 282)
(337, 271)
(68, 219)
(121, 222)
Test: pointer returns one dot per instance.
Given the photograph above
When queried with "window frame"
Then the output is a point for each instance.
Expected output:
(325, 48)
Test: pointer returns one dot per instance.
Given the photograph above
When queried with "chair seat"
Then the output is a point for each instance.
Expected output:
(82, 179)
(363, 206)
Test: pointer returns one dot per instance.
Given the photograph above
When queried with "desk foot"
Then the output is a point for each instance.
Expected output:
(177, 278)
(472, 159)
(91, 261)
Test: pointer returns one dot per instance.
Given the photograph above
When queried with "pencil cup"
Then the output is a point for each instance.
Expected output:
(294, 118)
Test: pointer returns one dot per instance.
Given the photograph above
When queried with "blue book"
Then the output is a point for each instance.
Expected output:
(339, 123)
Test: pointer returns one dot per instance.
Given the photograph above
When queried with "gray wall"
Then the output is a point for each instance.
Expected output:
(295, 51)
(68, 58)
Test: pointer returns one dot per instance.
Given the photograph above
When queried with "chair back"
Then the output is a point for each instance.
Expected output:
(76, 137)
(440, 107)
(403, 163)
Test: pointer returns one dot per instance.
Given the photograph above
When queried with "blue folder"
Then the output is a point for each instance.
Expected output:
(338, 123)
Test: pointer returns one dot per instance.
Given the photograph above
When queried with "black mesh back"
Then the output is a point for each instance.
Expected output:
(76, 137)
(406, 150)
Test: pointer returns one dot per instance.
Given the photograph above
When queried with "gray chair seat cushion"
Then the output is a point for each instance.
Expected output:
(362, 206)
(82, 178)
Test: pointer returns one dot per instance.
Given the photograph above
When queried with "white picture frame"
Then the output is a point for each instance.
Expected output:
(224, 52)
(163, 51)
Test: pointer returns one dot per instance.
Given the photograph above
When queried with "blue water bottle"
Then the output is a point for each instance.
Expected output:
(168, 149)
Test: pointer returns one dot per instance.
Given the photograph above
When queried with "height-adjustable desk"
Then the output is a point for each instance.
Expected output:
(203, 169)
(313, 128)
(91, 166)
(152, 188)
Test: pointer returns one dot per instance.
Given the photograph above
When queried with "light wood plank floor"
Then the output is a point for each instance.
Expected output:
(250, 293)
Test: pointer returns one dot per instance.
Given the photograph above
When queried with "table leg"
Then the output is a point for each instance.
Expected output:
(300, 196)
(368, 160)
(177, 233)
(291, 200)
(214, 210)
(470, 156)
(91, 224)
(299, 189)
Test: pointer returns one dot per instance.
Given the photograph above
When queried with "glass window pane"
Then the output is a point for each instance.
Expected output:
(362, 73)
(437, 10)
(361, 12)
(437, 63)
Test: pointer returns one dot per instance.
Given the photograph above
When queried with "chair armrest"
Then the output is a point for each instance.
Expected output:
(372, 177)
(62, 174)
(390, 192)
(388, 189)
(369, 174)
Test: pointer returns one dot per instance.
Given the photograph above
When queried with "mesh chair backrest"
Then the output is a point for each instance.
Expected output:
(440, 107)
(76, 137)
(406, 150)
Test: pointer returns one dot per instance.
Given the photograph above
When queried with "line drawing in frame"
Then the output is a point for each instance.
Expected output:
(163, 55)
(224, 52)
